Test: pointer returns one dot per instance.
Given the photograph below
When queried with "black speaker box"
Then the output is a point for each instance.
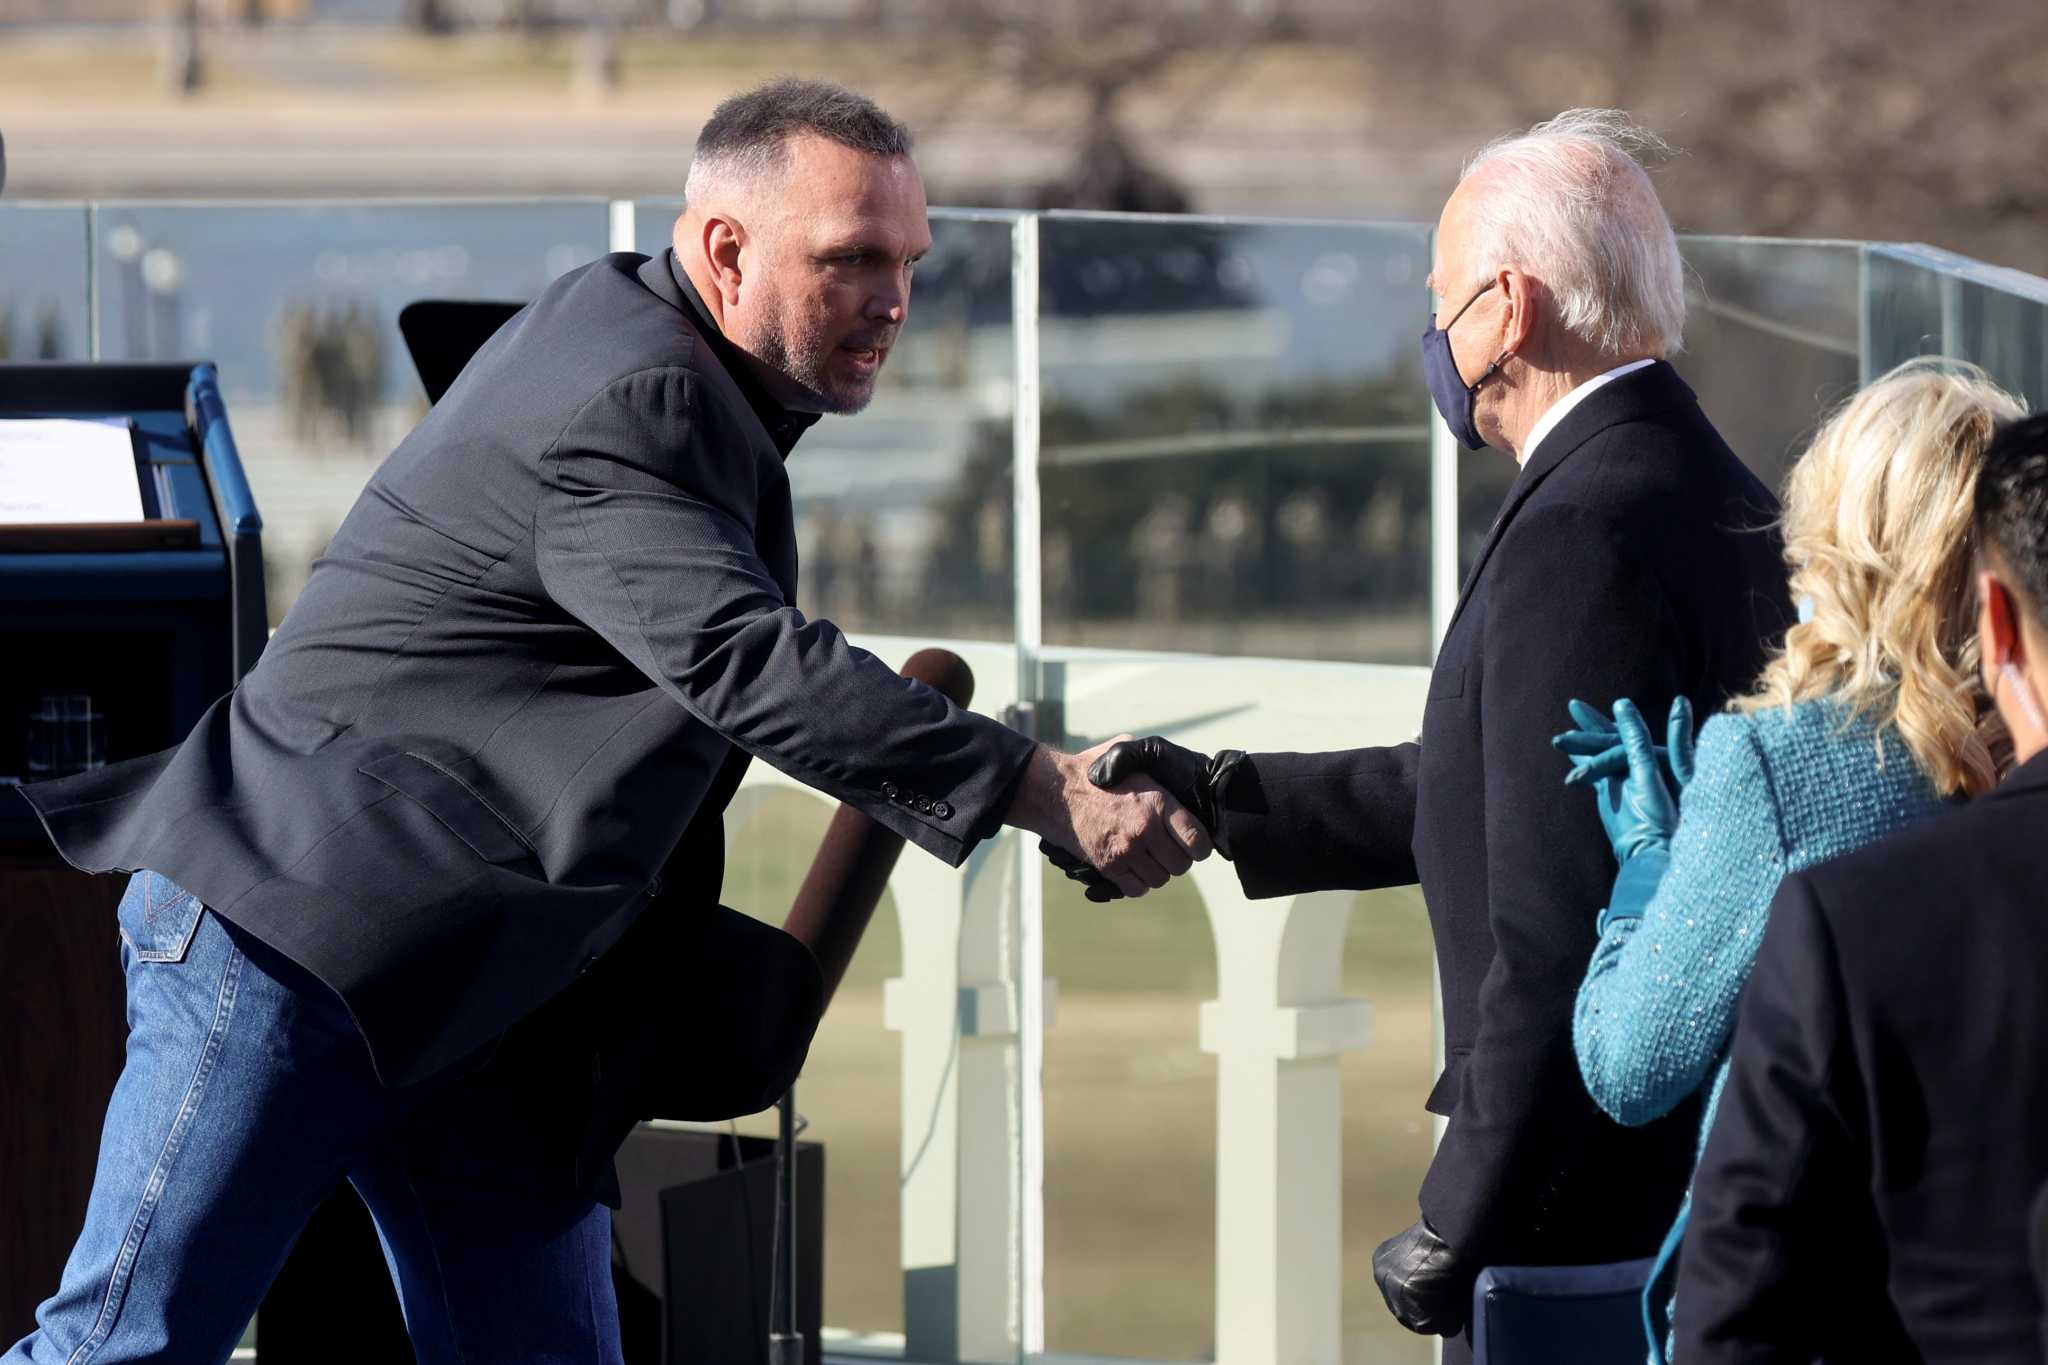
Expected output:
(700, 1212)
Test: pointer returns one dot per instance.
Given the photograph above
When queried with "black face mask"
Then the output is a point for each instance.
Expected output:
(1454, 398)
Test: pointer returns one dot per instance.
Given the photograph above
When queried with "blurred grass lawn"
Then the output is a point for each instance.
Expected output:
(1130, 1109)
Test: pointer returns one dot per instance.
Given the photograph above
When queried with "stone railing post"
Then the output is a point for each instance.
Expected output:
(1277, 1028)
(954, 1006)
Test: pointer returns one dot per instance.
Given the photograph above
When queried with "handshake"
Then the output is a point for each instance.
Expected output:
(1128, 815)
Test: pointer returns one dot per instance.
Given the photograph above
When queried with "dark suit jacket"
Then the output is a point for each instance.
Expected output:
(520, 686)
(1628, 560)
(1865, 1193)
(2038, 1221)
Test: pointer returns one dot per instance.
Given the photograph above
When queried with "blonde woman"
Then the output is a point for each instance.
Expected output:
(1870, 717)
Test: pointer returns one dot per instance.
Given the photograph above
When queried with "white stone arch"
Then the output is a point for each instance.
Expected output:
(1277, 1027)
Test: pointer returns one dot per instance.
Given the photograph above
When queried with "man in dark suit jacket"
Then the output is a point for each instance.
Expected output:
(1630, 559)
(427, 895)
(1883, 1132)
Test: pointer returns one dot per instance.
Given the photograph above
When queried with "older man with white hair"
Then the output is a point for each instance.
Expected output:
(1632, 558)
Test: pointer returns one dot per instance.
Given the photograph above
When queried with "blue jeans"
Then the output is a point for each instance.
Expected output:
(246, 1099)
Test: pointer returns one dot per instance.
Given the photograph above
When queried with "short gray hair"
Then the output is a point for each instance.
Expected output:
(750, 132)
(1570, 202)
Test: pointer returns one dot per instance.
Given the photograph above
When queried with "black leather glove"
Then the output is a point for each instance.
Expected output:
(1193, 779)
(1426, 1289)
(1095, 886)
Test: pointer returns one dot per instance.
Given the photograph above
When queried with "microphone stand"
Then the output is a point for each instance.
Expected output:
(785, 1341)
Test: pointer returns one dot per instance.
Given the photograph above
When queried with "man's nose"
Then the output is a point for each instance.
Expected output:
(890, 303)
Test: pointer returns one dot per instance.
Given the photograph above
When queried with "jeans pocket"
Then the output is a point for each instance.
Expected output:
(158, 918)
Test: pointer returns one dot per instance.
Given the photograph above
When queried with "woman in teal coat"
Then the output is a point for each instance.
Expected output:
(1869, 718)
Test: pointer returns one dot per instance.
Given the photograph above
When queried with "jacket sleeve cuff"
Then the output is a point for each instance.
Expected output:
(1635, 884)
(971, 811)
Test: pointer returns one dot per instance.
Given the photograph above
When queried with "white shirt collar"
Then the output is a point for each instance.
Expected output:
(1547, 423)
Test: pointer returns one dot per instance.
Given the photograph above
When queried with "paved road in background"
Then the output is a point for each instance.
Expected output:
(311, 113)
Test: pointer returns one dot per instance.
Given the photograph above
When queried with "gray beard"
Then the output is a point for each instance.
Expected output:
(807, 366)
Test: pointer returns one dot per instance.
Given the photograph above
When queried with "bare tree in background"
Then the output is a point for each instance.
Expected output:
(1917, 116)
(1102, 51)
(1890, 118)
(428, 16)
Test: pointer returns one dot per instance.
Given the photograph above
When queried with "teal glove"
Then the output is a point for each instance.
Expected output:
(1634, 886)
(1596, 745)
(1637, 808)
(1619, 761)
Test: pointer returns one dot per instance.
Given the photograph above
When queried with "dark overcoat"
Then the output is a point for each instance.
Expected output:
(1866, 1192)
(1634, 558)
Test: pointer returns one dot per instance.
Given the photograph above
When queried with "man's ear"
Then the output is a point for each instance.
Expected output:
(1998, 624)
(724, 240)
(1518, 312)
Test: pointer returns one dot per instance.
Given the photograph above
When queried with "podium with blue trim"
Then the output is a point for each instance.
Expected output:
(152, 620)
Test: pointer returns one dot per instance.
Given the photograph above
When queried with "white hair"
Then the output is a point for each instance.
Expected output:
(1570, 202)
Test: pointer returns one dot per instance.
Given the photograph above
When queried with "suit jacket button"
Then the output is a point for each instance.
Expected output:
(924, 805)
(890, 790)
(654, 888)
(942, 809)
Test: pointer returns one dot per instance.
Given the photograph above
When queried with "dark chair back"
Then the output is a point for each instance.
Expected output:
(442, 334)
(1546, 1314)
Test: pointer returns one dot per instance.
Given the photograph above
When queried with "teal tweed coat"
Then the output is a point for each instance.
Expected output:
(1773, 791)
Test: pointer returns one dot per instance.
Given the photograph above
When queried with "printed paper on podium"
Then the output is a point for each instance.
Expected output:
(64, 470)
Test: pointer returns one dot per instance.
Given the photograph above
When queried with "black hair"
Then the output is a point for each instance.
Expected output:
(2011, 514)
(754, 127)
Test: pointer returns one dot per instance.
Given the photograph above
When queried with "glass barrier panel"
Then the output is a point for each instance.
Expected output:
(2007, 334)
(298, 304)
(1902, 307)
(1157, 1120)
(1923, 300)
(654, 222)
(43, 287)
(1771, 340)
(1235, 437)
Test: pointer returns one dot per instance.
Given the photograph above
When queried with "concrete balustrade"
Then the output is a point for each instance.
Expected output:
(1278, 1025)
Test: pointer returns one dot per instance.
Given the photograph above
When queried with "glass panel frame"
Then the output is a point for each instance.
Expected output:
(1921, 300)
(1207, 392)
